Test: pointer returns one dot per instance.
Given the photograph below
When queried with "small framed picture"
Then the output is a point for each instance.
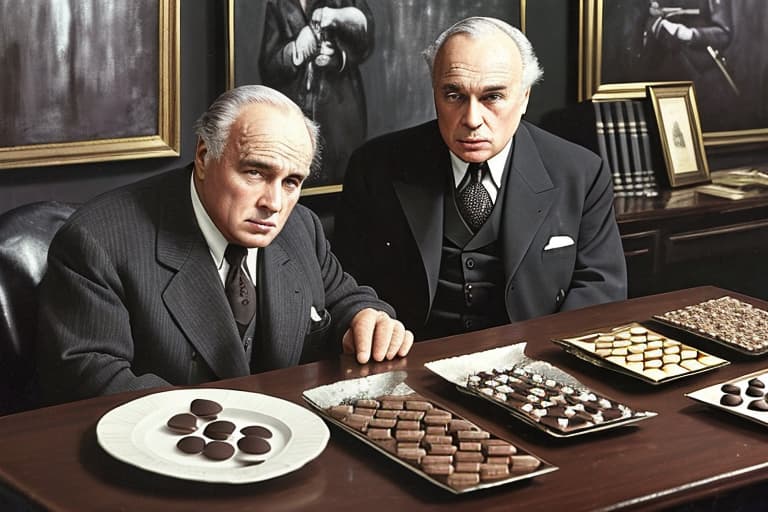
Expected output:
(677, 118)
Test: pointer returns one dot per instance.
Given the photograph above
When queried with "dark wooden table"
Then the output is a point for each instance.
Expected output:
(688, 453)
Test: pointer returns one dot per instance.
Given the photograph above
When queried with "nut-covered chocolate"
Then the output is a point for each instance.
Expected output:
(726, 320)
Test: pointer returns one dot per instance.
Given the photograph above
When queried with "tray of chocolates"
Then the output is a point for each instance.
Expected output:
(422, 435)
(535, 392)
(213, 435)
(640, 352)
(727, 321)
(745, 396)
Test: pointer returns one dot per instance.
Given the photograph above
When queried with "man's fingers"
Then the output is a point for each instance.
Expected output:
(405, 347)
(382, 336)
(398, 336)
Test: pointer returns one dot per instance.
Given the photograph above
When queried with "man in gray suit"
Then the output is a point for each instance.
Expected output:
(137, 292)
(527, 229)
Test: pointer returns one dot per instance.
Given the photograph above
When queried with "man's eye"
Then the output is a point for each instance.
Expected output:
(453, 96)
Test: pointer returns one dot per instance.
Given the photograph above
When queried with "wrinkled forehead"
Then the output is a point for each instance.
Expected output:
(270, 132)
(491, 52)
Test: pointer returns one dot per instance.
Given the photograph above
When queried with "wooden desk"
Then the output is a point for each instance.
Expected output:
(688, 452)
(682, 239)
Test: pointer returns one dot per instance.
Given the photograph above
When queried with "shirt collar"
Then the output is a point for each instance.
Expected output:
(496, 165)
(217, 244)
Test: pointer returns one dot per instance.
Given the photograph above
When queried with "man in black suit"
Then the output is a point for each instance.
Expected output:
(455, 247)
(137, 292)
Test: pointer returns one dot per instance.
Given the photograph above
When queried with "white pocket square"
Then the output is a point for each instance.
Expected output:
(557, 242)
(314, 315)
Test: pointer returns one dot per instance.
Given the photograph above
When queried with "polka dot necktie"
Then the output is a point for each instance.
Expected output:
(239, 288)
(474, 200)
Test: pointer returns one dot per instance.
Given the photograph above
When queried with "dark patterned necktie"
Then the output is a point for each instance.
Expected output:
(474, 200)
(239, 288)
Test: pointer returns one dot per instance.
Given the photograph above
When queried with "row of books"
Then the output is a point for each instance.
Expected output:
(623, 141)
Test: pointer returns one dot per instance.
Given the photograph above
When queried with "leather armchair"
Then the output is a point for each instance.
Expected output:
(25, 234)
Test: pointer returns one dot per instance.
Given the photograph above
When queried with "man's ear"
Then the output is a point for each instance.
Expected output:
(201, 150)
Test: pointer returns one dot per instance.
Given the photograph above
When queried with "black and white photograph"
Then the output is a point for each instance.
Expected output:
(354, 66)
(719, 45)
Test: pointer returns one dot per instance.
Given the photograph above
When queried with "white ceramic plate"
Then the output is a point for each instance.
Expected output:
(136, 433)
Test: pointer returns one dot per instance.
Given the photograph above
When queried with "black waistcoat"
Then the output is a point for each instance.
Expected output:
(470, 287)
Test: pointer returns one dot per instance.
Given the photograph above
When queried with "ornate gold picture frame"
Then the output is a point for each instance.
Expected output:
(677, 118)
(627, 45)
(99, 83)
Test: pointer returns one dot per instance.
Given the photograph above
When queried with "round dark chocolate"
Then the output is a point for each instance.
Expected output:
(730, 400)
(205, 408)
(757, 383)
(191, 444)
(183, 423)
(219, 430)
(758, 405)
(254, 445)
(218, 450)
(755, 391)
(733, 389)
(256, 430)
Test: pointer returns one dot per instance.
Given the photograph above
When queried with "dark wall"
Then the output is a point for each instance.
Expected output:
(552, 26)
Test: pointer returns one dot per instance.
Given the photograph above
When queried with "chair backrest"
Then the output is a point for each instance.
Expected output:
(25, 234)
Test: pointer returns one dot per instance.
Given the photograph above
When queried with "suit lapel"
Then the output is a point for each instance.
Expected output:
(420, 193)
(195, 296)
(529, 197)
(283, 306)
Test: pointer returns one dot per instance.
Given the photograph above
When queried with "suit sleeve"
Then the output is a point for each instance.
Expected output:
(344, 297)
(600, 273)
(85, 344)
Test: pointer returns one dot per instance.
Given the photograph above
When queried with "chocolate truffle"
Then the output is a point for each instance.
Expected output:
(203, 408)
(218, 450)
(191, 444)
(219, 430)
(183, 423)
(730, 400)
(256, 430)
(254, 445)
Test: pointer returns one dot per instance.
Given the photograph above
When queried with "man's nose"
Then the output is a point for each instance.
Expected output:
(271, 197)
(473, 117)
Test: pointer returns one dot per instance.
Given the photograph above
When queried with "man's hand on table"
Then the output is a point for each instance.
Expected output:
(375, 335)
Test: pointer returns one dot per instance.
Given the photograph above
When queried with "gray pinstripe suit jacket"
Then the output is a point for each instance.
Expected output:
(132, 299)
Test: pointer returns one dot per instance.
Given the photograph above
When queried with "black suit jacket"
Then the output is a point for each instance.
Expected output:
(132, 298)
(389, 226)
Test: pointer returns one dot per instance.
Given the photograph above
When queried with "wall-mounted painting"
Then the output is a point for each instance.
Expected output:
(88, 80)
(719, 45)
(354, 66)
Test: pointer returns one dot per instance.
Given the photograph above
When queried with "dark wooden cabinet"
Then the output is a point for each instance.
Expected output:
(683, 238)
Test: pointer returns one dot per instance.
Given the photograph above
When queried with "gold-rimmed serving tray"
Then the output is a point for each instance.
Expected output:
(635, 350)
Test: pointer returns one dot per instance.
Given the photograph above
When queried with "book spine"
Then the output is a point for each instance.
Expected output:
(649, 175)
(626, 170)
(613, 158)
